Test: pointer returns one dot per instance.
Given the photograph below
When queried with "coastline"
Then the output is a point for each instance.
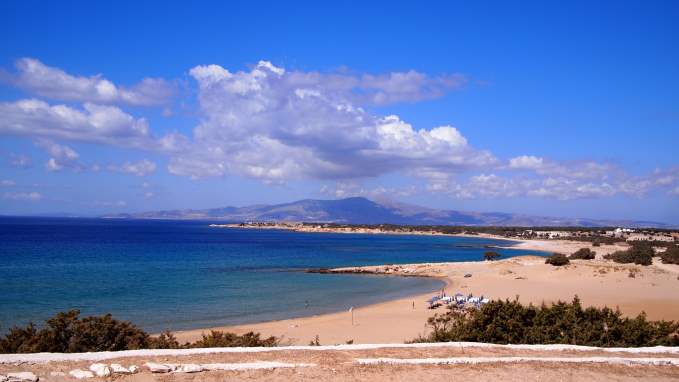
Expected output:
(597, 283)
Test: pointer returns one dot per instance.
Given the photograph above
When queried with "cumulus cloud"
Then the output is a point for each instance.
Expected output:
(93, 123)
(54, 83)
(526, 162)
(142, 168)
(274, 125)
(61, 156)
(23, 196)
(349, 189)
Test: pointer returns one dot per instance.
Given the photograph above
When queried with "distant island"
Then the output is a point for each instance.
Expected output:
(359, 210)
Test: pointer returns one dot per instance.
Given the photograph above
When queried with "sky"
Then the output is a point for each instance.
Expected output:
(546, 108)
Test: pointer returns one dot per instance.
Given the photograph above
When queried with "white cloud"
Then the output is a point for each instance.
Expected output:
(142, 168)
(7, 183)
(96, 123)
(348, 189)
(108, 204)
(674, 191)
(23, 196)
(38, 78)
(274, 125)
(61, 156)
(526, 162)
(20, 160)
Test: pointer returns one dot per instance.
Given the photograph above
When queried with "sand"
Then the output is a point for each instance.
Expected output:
(459, 361)
(631, 288)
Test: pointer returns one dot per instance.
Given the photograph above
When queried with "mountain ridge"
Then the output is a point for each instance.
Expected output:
(360, 210)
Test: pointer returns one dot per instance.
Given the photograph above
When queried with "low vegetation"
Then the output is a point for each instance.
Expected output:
(509, 322)
(670, 256)
(67, 332)
(557, 260)
(583, 254)
(638, 254)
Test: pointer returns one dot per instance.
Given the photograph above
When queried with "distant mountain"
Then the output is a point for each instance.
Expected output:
(364, 211)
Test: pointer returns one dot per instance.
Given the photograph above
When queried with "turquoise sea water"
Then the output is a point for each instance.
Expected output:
(182, 275)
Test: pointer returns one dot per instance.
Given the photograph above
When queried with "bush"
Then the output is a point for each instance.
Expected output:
(217, 339)
(491, 255)
(583, 254)
(596, 244)
(557, 260)
(68, 333)
(670, 256)
(638, 254)
(509, 322)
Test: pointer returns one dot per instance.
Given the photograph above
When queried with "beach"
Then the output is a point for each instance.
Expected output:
(631, 288)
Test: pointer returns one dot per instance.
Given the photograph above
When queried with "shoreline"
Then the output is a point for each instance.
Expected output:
(596, 282)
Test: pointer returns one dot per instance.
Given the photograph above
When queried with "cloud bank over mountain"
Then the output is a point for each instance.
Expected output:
(278, 125)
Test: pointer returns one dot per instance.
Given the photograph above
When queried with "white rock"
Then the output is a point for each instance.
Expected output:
(119, 369)
(133, 369)
(2, 378)
(159, 367)
(100, 369)
(189, 368)
(22, 376)
(81, 374)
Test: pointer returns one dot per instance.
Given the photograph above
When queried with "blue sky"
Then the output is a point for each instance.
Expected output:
(567, 109)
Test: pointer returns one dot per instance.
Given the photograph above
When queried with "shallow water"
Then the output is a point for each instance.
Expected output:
(184, 275)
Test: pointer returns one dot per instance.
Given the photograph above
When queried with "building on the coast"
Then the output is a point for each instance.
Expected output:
(642, 236)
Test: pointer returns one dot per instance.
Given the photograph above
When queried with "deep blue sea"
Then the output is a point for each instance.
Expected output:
(183, 275)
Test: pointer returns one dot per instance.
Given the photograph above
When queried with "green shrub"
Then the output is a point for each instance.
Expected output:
(217, 339)
(68, 333)
(509, 322)
(557, 260)
(491, 255)
(670, 256)
(638, 254)
(166, 340)
(583, 254)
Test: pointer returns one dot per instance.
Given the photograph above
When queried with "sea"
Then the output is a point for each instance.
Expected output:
(180, 275)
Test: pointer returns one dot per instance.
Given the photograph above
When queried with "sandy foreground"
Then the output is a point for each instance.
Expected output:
(450, 361)
(631, 288)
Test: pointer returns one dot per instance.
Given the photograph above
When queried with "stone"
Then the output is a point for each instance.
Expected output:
(81, 374)
(188, 368)
(159, 367)
(22, 376)
(133, 369)
(3, 378)
(119, 369)
(100, 369)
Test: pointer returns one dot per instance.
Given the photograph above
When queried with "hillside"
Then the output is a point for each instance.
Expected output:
(358, 210)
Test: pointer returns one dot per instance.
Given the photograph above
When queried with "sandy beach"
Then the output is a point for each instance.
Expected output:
(631, 288)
